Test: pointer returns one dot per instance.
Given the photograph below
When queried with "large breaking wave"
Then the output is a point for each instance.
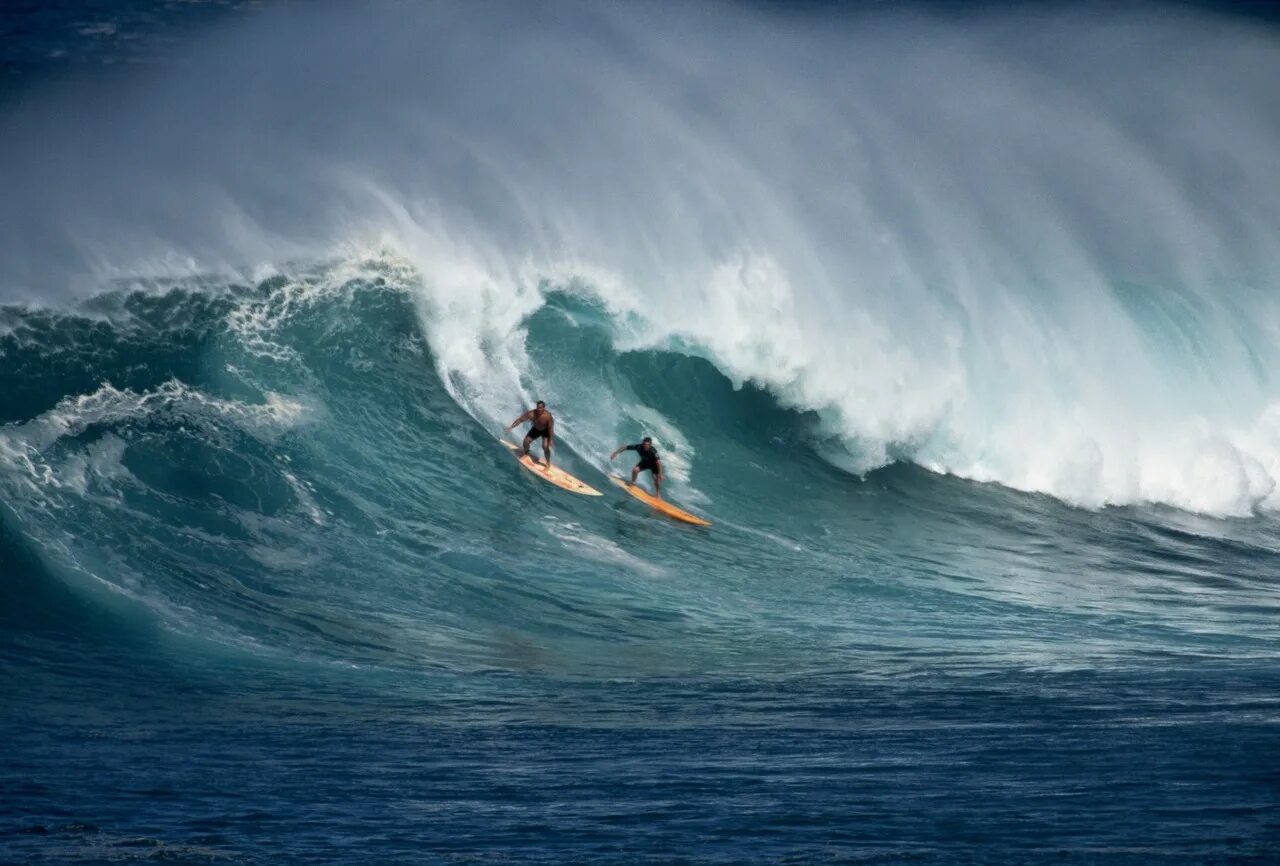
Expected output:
(277, 466)
(1036, 249)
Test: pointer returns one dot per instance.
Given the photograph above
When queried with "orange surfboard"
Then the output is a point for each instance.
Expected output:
(554, 474)
(659, 504)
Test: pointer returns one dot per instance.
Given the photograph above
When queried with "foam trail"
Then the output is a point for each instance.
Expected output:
(1033, 249)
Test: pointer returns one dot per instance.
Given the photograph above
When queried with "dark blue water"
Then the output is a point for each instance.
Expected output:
(272, 592)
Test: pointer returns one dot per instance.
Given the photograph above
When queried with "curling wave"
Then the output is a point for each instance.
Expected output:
(1036, 250)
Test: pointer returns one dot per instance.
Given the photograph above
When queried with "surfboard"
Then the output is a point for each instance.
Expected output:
(554, 474)
(659, 504)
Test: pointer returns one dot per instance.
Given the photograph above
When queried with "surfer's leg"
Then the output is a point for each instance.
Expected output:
(634, 472)
(546, 449)
(657, 483)
(527, 441)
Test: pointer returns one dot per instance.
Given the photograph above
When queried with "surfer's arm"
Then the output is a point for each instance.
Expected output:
(619, 450)
(523, 418)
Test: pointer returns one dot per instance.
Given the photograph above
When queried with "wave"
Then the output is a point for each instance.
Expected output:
(1028, 249)
(284, 467)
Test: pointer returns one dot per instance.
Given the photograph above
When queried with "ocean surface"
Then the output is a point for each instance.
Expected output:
(961, 324)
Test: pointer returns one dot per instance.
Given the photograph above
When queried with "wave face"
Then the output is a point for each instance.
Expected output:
(1035, 249)
(276, 467)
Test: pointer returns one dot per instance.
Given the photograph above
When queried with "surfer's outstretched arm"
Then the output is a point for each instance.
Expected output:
(523, 418)
(619, 450)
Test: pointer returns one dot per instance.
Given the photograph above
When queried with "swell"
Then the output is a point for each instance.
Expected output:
(281, 468)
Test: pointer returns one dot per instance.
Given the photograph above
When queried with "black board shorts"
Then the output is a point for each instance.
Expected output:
(538, 434)
(651, 464)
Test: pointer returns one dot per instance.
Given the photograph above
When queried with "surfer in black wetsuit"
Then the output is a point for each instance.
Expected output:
(542, 426)
(648, 460)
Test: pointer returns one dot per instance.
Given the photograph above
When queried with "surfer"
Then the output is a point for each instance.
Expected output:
(542, 426)
(648, 460)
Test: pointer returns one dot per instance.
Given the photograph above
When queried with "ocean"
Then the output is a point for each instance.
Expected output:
(960, 324)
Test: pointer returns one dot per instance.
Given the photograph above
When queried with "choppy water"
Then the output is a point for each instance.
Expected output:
(993, 570)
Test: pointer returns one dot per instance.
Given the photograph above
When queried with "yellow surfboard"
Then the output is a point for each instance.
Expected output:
(660, 504)
(554, 474)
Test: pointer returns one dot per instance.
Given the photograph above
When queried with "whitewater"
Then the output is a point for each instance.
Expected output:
(961, 324)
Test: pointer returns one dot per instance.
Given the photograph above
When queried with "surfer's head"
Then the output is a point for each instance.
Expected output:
(540, 405)
(648, 440)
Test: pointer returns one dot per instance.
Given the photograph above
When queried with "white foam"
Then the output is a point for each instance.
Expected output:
(22, 446)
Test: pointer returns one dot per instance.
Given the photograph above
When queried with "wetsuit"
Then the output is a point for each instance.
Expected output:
(648, 459)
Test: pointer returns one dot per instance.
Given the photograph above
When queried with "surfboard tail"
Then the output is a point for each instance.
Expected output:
(661, 505)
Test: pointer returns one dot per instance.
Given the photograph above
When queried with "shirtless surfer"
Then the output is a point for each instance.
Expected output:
(543, 426)
(648, 460)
